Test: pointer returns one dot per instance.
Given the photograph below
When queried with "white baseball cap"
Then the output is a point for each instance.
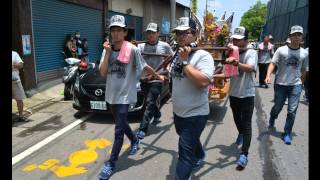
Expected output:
(152, 27)
(117, 20)
(239, 33)
(185, 23)
(295, 29)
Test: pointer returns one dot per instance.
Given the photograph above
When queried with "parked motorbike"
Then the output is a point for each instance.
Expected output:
(74, 68)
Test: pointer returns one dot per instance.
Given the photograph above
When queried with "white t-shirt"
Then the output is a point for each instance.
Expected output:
(159, 48)
(188, 99)
(122, 78)
(15, 60)
(243, 85)
(307, 68)
(290, 62)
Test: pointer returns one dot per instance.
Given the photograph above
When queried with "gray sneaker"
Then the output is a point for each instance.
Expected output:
(156, 121)
(140, 135)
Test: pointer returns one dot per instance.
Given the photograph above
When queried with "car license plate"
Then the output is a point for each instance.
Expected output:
(100, 105)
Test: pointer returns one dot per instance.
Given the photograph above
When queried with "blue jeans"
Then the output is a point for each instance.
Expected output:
(120, 114)
(190, 148)
(281, 93)
(306, 85)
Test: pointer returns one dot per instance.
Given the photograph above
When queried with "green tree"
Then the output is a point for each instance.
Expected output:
(194, 6)
(254, 19)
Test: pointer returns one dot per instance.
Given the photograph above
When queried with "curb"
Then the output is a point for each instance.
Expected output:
(44, 93)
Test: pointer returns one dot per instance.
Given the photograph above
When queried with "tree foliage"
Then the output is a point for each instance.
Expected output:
(254, 19)
(194, 6)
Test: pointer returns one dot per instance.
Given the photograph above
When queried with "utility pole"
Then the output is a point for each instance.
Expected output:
(172, 14)
(206, 8)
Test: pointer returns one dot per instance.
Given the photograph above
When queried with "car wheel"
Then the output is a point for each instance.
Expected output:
(79, 114)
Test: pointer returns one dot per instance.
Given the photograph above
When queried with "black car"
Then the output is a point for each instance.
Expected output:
(89, 94)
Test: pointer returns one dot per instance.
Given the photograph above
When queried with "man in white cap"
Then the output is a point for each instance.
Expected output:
(191, 74)
(271, 39)
(242, 92)
(152, 87)
(290, 61)
(120, 62)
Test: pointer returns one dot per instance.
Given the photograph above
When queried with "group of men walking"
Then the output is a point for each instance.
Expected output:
(191, 72)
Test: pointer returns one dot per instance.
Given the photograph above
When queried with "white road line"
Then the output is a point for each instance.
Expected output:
(47, 140)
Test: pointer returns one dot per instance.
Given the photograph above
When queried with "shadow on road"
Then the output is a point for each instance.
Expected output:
(265, 144)
(216, 116)
(226, 154)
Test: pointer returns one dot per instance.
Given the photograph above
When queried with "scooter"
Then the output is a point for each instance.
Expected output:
(74, 68)
(69, 75)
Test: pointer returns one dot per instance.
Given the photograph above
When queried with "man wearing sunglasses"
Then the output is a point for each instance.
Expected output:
(191, 74)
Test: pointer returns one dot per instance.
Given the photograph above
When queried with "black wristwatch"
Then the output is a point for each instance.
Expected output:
(184, 63)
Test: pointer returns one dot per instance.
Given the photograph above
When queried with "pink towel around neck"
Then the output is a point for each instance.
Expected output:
(261, 46)
(125, 52)
(231, 70)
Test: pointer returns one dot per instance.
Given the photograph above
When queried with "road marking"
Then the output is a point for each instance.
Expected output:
(76, 159)
(47, 140)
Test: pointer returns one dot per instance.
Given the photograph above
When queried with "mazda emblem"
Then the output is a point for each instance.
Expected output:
(98, 92)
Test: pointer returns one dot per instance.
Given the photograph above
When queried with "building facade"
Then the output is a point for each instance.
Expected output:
(286, 13)
(40, 26)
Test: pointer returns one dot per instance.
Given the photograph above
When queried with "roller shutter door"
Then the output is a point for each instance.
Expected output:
(52, 20)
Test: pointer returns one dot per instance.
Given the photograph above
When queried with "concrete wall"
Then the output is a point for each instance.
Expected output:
(154, 10)
(132, 7)
(21, 25)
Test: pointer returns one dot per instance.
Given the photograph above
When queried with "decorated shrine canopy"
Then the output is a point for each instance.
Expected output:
(216, 31)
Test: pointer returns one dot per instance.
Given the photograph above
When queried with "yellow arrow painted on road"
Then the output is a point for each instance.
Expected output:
(75, 159)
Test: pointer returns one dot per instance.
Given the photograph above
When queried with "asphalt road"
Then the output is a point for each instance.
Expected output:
(80, 152)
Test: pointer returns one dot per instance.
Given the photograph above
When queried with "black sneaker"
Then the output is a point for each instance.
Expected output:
(23, 119)
(199, 162)
(156, 121)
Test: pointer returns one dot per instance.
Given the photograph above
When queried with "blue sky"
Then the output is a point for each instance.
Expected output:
(239, 7)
